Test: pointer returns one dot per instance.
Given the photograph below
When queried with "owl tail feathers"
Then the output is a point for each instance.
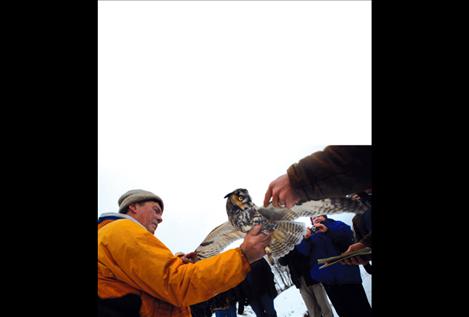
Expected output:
(286, 236)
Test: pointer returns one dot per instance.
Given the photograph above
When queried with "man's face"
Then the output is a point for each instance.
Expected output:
(149, 214)
(318, 219)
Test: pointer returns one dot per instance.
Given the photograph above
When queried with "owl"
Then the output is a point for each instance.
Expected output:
(243, 214)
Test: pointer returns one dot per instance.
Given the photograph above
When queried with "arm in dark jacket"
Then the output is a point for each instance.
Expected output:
(362, 227)
(334, 172)
(366, 240)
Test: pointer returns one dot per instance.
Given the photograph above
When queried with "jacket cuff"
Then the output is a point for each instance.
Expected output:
(246, 264)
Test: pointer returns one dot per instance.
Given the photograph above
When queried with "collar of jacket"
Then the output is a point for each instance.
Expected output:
(117, 216)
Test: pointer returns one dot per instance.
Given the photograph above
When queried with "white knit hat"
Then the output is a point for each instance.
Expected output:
(136, 196)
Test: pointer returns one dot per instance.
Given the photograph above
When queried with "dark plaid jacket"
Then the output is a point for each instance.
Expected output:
(334, 172)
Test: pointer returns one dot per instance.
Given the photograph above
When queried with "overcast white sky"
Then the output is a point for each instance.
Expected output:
(196, 99)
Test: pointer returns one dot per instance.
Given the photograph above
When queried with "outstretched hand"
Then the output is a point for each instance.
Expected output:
(356, 260)
(255, 241)
(281, 192)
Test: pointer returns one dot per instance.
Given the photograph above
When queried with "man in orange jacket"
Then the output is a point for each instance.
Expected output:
(139, 276)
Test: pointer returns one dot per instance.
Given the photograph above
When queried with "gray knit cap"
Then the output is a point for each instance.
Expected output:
(135, 196)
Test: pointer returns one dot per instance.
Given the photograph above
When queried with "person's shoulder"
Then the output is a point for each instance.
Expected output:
(124, 223)
(334, 222)
(337, 225)
(357, 217)
(123, 227)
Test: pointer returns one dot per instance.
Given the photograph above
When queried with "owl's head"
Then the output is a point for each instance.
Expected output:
(238, 200)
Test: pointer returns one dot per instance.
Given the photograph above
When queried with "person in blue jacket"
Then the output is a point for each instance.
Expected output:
(343, 283)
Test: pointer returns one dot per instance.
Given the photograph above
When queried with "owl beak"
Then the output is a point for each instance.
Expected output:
(246, 205)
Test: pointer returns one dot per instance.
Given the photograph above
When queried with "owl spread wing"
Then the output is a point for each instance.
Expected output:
(218, 239)
(276, 214)
(326, 207)
(290, 233)
(286, 236)
(313, 208)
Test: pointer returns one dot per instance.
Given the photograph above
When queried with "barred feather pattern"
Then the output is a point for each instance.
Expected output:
(327, 206)
(217, 240)
(287, 235)
(243, 214)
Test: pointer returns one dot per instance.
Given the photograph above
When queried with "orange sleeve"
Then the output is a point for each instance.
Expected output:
(139, 259)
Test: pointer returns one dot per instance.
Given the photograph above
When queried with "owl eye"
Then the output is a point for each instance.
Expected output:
(240, 198)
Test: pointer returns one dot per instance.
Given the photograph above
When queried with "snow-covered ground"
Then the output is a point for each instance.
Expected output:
(290, 304)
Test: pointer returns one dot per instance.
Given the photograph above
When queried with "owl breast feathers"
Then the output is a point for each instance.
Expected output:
(243, 214)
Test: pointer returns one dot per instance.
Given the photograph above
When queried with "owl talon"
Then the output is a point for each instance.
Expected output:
(268, 252)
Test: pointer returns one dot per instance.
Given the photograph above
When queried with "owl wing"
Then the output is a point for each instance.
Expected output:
(313, 208)
(275, 214)
(326, 207)
(218, 239)
(286, 236)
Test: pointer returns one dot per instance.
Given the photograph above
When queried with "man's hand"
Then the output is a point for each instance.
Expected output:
(281, 192)
(356, 260)
(255, 241)
(189, 257)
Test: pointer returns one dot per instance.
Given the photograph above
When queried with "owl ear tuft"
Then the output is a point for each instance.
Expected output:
(227, 195)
